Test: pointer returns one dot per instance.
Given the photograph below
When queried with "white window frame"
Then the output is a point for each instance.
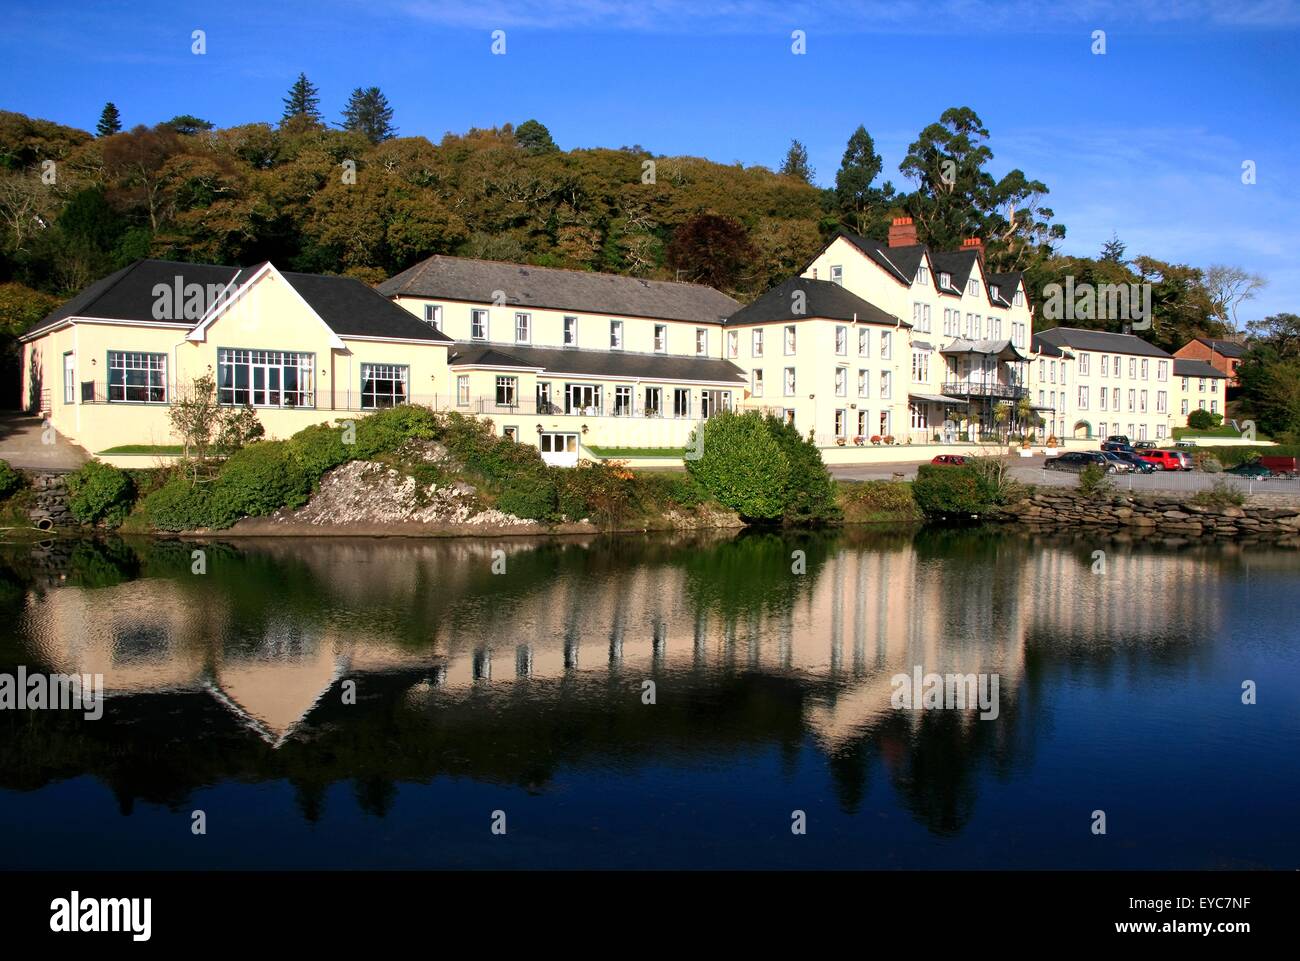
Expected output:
(526, 327)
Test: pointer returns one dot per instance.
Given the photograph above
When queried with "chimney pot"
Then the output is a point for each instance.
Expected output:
(902, 232)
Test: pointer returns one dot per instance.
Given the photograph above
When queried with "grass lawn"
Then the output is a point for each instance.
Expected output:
(677, 452)
(158, 450)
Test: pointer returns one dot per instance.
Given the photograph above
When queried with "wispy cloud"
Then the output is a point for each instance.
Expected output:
(898, 16)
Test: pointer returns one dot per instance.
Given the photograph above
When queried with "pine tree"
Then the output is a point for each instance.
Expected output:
(533, 136)
(1112, 251)
(110, 121)
(303, 101)
(796, 162)
(368, 113)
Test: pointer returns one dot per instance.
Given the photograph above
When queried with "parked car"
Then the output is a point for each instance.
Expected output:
(1185, 444)
(1075, 461)
(1278, 464)
(1144, 445)
(1139, 465)
(949, 460)
(1251, 469)
(1116, 446)
(1118, 439)
(1164, 459)
(1118, 461)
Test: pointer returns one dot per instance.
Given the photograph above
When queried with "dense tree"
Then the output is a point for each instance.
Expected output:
(796, 163)
(1269, 376)
(535, 138)
(302, 103)
(713, 250)
(110, 121)
(368, 113)
(187, 124)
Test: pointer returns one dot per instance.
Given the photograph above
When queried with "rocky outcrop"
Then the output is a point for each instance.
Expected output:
(1054, 508)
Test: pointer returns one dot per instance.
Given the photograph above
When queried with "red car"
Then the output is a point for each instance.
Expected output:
(949, 460)
(1165, 459)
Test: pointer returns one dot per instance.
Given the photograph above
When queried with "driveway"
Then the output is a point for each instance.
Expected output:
(22, 445)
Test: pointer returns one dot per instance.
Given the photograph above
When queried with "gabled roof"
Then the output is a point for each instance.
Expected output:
(1006, 284)
(550, 288)
(1228, 348)
(613, 364)
(1001, 349)
(1099, 340)
(347, 306)
(884, 256)
(1196, 368)
(958, 263)
(821, 299)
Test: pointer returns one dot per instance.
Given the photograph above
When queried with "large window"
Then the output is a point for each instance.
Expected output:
(136, 378)
(582, 399)
(654, 401)
(681, 402)
(622, 401)
(920, 365)
(507, 391)
(265, 378)
(383, 385)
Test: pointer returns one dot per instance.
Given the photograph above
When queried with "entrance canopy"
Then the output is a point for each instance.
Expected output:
(940, 399)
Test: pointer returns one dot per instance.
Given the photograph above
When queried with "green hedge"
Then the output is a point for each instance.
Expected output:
(99, 493)
(1234, 455)
(952, 492)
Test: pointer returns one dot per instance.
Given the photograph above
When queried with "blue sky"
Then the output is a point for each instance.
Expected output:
(1146, 140)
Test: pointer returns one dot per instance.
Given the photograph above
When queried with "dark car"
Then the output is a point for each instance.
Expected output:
(1075, 461)
(1139, 465)
(1144, 445)
(1118, 439)
(1252, 469)
(949, 460)
(1117, 447)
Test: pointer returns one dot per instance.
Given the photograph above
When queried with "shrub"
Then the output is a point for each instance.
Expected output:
(1222, 494)
(1093, 479)
(995, 472)
(100, 493)
(879, 500)
(178, 505)
(386, 430)
(951, 492)
(257, 480)
(1209, 463)
(598, 491)
(1203, 420)
(319, 448)
(10, 480)
(515, 473)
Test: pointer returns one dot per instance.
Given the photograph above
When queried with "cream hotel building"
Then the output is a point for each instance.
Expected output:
(870, 343)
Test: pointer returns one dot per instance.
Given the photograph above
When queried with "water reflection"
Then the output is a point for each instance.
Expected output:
(243, 673)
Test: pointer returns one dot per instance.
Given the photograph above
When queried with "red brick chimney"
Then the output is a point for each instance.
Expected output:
(902, 232)
(975, 244)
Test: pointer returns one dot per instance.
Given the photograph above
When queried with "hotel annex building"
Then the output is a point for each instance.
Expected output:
(870, 341)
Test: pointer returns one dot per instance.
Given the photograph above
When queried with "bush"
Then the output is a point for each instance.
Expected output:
(863, 501)
(99, 493)
(1222, 494)
(952, 492)
(1203, 420)
(387, 430)
(759, 466)
(256, 481)
(598, 491)
(178, 505)
(1208, 463)
(515, 473)
(1093, 479)
(10, 480)
(319, 448)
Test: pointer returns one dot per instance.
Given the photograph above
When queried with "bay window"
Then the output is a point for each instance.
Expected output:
(265, 378)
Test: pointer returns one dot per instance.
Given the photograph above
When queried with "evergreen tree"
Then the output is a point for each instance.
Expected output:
(1112, 251)
(303, 101)
(853, 191)
(535, 138)
(796, 162)
(110, 121)
(368, 113)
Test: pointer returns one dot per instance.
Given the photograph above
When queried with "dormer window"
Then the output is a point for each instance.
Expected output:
(923, 276)
(945, 279)
(993, 292)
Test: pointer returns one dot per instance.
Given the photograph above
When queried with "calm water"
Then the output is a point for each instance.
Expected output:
(522, 692)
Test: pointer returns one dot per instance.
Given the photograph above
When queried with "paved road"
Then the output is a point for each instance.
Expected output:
(22, 445)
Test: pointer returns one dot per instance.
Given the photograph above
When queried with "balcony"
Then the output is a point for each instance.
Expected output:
(961, 388)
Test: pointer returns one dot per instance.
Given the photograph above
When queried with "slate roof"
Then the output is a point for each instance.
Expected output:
(348, 307)
(821, 299)
(550, 288)
(613, 364)
(1099, 340)
(1040, 346)
(1196, 368)
(1002, 349)
(1228, 348)
(1006, 285)
(958, 263)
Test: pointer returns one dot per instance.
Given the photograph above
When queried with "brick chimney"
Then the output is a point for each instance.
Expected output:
(902, 232)
(975, 244)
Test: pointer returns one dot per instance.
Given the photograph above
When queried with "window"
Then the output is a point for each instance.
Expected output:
(885, 421)
(1184, 383)
(616, 335)
(970, 326)
(570, 331)
(135, 378)
(1162, 402)
(886, 391)
(478, 324)
(462, 390)
(433, 315)
(841, 381)
(923, 275)
(1201, 404)
(1104, 364)
(507, 391)
(701, 341)
(623, 401)
(264, 378)
(1052, 375)
(841, 340)
(995, 328)
(544, 398)
(789, 382)
(837, 275)
(886, 349)
(69, 379)
(523, 328)
(1144, 369)
(1101, 395)
(1132, 399)
(1083, 365)
(1160, 431)
(862, 423)
(1214, 407)
(582, 399)
(920, 366)
(945, 279)
(994, 293)
(1132, 367)
(681, 402)
(654, 402)
(510, 433)
(733, 343)
(1042, 369)
(864, 341)
(383, 385)
(840, 419)
(756, 343)
(756, 383)
(1115, 368)
(1083, 398)
(789, 339)
(1201, 385)
(973, 288)
(864, 383)
(661, 338)
(1019, 299)
(1142, 402)
(1114, 398)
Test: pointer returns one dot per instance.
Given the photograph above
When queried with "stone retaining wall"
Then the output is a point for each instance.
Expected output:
(1154, 513)
(50, 499)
